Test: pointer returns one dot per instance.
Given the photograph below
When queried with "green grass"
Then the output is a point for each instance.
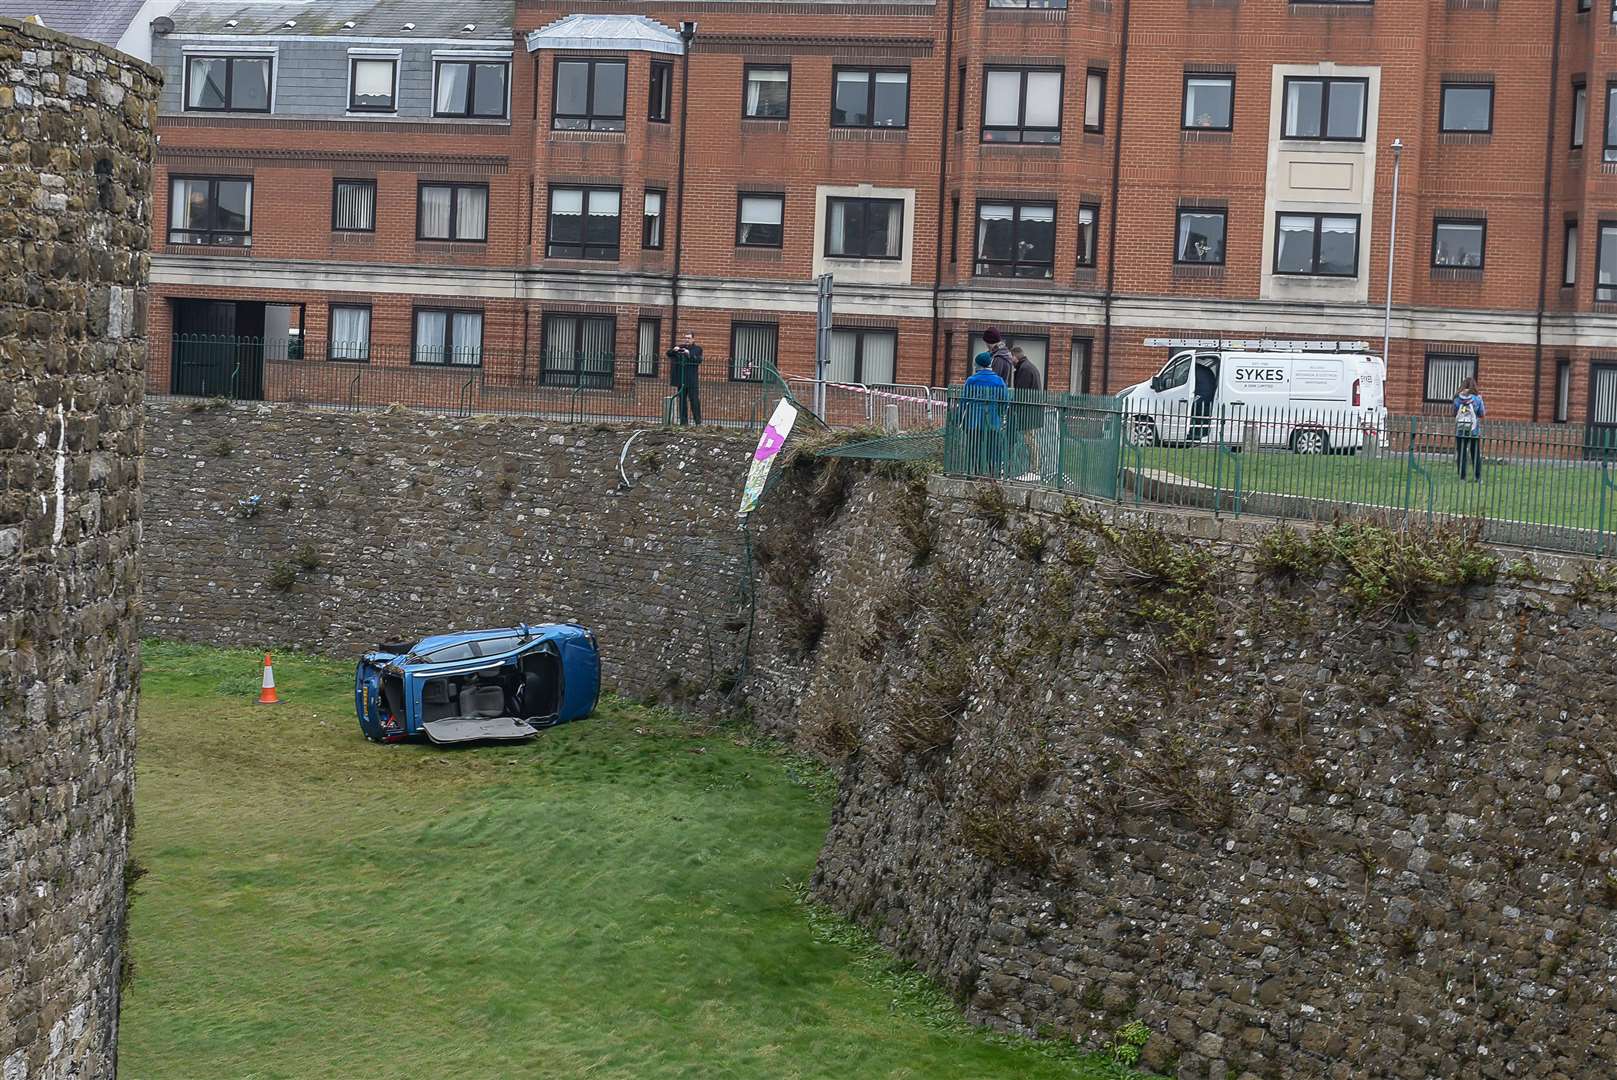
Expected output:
(1563, 494)
(613, 899)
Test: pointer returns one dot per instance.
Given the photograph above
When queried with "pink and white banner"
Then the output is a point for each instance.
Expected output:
(769, 446)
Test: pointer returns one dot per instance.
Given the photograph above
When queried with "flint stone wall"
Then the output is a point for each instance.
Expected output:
(76, 151)
(388, 525)
(1341, 845)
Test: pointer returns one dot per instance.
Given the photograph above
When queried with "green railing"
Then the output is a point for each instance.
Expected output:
(1546, 486)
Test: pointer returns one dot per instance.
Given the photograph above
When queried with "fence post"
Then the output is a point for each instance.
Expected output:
(1409, 466)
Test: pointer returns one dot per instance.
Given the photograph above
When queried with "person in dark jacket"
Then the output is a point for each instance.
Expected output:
(1026, 416)
(684, 360)
(1468, 413)
(999, 354)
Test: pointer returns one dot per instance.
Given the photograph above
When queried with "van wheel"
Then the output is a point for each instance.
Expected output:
(1142, 431)
(1310, 441)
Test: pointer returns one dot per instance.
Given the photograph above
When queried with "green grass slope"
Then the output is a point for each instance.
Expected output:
(610, 900)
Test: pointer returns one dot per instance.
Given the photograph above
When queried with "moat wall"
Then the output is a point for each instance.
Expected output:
(1104, 766)
(387, 525)
(1100, 766)
(76, 142)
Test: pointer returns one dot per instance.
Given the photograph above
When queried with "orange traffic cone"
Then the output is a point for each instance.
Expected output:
(266, 696)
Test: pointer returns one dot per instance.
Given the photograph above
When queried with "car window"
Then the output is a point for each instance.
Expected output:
(469, 650)
(1176, 373)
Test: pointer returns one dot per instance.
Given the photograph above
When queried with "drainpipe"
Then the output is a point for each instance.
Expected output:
(1111, 229)
(687, 32)
(943, 157)
(1544, 223)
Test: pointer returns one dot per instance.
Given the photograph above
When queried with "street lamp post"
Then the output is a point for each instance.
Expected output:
(1392, 246)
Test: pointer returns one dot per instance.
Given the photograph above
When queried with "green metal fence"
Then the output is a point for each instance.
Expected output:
(1545, 486)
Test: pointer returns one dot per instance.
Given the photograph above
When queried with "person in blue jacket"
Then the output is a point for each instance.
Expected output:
(983, 403)
(1468, 413)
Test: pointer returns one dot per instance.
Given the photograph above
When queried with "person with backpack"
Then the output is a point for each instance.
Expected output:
(1468, 413)
(982, 410)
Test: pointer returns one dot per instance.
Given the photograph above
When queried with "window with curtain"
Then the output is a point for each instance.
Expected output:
(752, 350)
(648, 342)
(1611, 122)
(1088, 217)
(210, 210)
(371, 84)
(651, 235)
(1015, 240)
(471, 88)
(578, 350)
(228, 83)
(1569, 255)
(864, 228)
(1078, 371)
(353, 206)
(1319, 245)
(1444, 374)
(1058, 4)
(1328, 109)
(758, 220)
(448, 337)
(1022, 105)
(584, 223)
(1580, 113)
(660, 92)
(452, 212)
(768, 93)
(1458, 242)
(349, 337)
(863, 356)
(1200, 236)
(1606, 262)
(1563, 390)
(1209, 103)
(589, 95)
(1603, 395)
(1095, 101)
(865, 97)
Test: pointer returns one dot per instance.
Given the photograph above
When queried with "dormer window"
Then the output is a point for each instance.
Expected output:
(471, 88)
(372, 82)
(228, 83)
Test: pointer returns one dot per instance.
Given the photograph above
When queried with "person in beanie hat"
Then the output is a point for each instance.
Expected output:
(999, 355)
(983, 417)
(1026, 416)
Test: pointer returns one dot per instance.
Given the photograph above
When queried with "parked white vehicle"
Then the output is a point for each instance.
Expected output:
(1309, 397)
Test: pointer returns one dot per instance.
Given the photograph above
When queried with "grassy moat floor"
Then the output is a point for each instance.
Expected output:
(616, 898)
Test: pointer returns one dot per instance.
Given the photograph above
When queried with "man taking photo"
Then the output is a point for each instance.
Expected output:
(683, 362)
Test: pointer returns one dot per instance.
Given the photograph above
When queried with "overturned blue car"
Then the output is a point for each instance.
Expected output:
(479, 684)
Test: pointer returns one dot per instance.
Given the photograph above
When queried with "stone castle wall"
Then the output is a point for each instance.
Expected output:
(1105, 767)
(76, 149)
(383, 526)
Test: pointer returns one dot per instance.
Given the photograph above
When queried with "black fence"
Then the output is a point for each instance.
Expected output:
(572, 388)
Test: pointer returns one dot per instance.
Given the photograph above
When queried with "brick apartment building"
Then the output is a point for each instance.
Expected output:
(422, 184)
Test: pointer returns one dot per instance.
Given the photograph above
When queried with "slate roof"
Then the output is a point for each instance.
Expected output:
(371, 18)
(99, 20)
(613, 33)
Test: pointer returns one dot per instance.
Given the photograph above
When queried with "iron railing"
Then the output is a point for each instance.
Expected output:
(574, 388)
(1544, 486)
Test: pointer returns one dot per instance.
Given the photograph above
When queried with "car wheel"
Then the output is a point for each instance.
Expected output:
(1310, 441)
(1142, 431)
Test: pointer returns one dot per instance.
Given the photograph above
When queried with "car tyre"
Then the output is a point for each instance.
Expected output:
(1142, 431)
(1310, 441)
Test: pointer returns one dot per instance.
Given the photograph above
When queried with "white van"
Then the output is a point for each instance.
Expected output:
(1309, 401)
